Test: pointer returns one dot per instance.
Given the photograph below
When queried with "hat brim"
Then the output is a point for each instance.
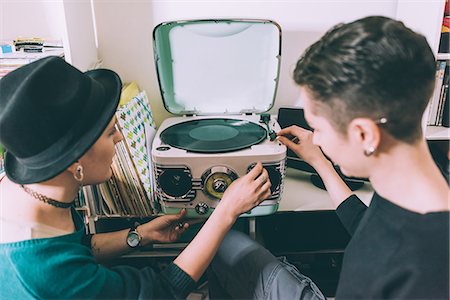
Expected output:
(105, 109)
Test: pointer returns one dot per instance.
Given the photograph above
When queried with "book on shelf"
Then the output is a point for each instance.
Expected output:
(443, 99)
(441, 108)
(438, 99)
(445, 109)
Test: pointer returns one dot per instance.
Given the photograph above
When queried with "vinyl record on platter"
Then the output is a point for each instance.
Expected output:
(213, 135)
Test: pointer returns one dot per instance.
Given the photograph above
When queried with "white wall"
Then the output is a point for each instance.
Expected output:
(66, 21)
(31, 19)
(423, 16)
(124, 29)
(125, 32)
(79, 39)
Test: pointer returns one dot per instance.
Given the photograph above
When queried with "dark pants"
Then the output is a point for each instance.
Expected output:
(243, 269)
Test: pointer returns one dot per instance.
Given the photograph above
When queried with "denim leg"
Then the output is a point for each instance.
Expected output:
(215, 289)
(243, 269)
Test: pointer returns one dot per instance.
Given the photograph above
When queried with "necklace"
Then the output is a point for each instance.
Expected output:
(46, 199)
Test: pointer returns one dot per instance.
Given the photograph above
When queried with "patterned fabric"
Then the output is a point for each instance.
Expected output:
(138, 128)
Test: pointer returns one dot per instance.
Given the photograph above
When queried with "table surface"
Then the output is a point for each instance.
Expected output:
(300, 194)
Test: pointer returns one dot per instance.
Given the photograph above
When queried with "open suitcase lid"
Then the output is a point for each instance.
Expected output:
(216, 67)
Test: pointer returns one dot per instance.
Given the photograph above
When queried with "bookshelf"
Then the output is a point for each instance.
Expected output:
(443, 56)
(437, 133)
(437, 112)
(13, 60)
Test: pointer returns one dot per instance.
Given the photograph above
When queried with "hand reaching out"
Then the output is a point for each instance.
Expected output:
(164, 229)
(246, 192)
(304, 147)
(241, 196)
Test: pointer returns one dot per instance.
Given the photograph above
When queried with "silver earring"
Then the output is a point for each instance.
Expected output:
(370, 151)
(79, 175)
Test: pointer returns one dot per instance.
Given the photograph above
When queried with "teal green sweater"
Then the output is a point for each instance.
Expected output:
(62, 267)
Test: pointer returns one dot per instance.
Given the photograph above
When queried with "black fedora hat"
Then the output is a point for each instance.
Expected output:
(51, 114)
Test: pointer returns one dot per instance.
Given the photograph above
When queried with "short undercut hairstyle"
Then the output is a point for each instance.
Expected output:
(374, 68)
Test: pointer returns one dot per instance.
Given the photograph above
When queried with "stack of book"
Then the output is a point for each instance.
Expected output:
(12, 60)
(29, 44)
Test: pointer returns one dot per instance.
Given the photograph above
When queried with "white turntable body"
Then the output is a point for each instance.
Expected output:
(215, 71)
(199, 199)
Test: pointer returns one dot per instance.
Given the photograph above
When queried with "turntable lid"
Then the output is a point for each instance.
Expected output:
(210, 67)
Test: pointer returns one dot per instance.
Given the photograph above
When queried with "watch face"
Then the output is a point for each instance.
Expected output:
(133, 239)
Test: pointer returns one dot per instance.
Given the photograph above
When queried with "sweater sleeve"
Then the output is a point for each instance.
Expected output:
(350, 212)
(171, 283)
(181, 282)
(74, 274)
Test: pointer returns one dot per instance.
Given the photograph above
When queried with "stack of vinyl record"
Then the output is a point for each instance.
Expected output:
(129, 191)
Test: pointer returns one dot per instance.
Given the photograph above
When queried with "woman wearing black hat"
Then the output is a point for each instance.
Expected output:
(57, 125)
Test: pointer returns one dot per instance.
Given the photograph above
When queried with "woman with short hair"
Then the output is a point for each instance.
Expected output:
(365, 86)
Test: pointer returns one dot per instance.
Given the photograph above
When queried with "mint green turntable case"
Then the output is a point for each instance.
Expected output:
(209, 67)
(217, 67)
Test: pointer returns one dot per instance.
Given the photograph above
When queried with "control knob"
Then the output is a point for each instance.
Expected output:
(216, 180)
(220, 185)
(201, 208)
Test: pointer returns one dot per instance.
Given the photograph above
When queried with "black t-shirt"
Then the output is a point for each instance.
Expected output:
(393, 253)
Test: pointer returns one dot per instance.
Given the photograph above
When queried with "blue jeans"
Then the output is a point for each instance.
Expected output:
(243, 269)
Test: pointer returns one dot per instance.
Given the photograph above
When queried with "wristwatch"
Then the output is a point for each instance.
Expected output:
(133, 236)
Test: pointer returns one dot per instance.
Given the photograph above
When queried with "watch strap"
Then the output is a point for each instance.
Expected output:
(134, 226)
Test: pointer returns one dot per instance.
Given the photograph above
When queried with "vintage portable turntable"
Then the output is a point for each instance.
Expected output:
(219, 75)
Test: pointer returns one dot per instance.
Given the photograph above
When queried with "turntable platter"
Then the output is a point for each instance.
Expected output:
(214, 135)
